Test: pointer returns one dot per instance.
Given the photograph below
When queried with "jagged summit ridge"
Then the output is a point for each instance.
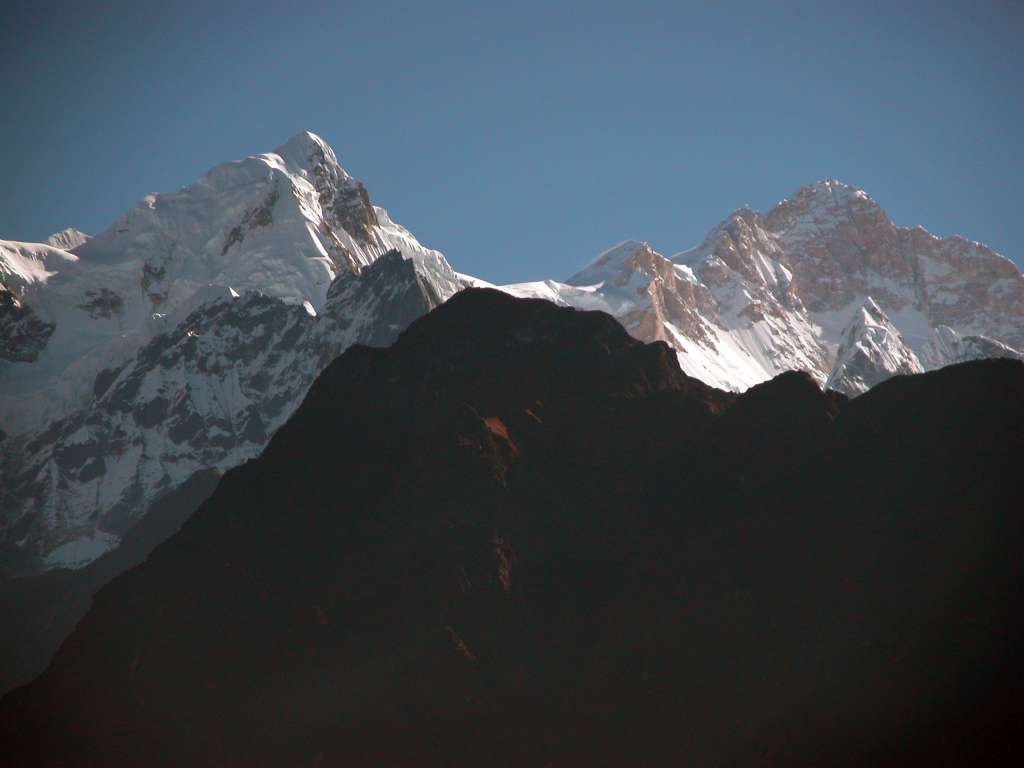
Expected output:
(872, 351)
(770, 292)
(284, 223)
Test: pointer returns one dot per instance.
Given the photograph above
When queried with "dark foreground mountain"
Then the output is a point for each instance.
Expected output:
(40, 611)
(520, 537)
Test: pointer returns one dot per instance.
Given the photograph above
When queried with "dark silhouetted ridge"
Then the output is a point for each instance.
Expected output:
(520, 537)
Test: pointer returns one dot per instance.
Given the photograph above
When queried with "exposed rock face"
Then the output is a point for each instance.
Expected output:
(837, 239)
(872, 351)
(768, 293)
(842, 246)
(655, 295)
(102, 303)
(22, 334)
(207, 394)
(343, 199)
(701, 315)
(261, 215)
(520, 537)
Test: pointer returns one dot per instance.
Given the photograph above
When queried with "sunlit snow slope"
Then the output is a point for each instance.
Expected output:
(182, 337)
(766, 293)
(285, 223)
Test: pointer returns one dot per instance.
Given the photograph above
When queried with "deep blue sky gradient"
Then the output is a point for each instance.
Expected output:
(523, 138)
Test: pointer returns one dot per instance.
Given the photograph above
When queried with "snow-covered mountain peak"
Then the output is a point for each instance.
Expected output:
(868, 316)
(738, 220)
(830, 192)
(610, 264)
(284, 223)
(301, 148)
(823, 206)
(872, 351)
(769, 292)
(67, 239)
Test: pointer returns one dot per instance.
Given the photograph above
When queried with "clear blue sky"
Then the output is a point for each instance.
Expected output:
(519, 138)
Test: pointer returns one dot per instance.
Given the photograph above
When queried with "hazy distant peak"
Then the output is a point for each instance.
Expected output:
(67, 239)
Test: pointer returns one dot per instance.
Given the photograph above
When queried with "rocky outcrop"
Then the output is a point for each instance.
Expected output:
(102, 303)
(343, 199)
(23, 336)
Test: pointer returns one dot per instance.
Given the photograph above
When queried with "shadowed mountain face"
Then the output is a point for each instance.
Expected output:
(40, 611)
(520, 537)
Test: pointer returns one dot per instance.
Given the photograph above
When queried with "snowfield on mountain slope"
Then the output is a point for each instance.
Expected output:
(24, 265)
(284, 223)
(767, 293)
